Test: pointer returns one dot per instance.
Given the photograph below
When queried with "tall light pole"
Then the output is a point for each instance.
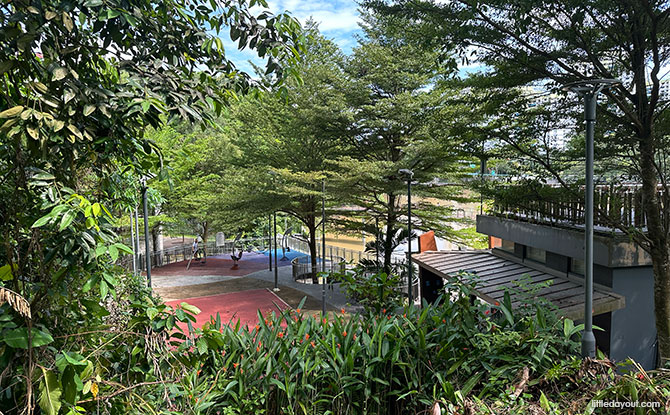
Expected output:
(323, 247)
(276, 288)
(589, 89)
(410, 175)
(132, 241)
(137, 242)
(146, 231)
(270, 240)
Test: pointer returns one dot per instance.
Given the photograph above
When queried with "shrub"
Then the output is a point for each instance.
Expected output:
(373, 363)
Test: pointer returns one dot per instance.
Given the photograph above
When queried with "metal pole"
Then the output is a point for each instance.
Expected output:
(270, 240)
(409, 241)
(132, 242)
(588, 339)
(482, 170)
(146, 233)
(276, 271)
(137, 241)
(377, 242)
(323, 246)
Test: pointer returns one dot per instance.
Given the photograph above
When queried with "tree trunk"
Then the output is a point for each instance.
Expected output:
(391, 221)
(659, 248)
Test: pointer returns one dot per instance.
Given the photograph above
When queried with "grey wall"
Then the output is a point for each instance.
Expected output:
(633, 327)
(610, 251)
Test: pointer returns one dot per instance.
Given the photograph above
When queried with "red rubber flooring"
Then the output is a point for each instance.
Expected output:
(241, 305)
(215, 266)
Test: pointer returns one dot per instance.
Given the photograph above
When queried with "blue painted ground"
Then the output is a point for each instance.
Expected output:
(289, 255)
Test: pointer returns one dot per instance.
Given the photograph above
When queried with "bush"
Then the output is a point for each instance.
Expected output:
(374, 363)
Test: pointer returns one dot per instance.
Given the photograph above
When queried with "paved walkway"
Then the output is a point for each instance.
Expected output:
(233, 307)
(246, 298)
(335, 297)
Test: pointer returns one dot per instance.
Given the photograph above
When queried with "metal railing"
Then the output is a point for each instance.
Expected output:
(620, 204)
(304, 270)
(183, 253)
(348, 255)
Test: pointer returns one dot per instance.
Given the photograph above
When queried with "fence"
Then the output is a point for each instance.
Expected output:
(183, 253)
(622, 204)
(347, 255)
(303, 270)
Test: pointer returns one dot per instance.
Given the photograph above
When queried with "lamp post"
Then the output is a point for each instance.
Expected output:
(132, 241)
(276, 288)
(409, 174)
(323, 247)
(270, 241)
(146, 231)
(589, 89)
(137, 242)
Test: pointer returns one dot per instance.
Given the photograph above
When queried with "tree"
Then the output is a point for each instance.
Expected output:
(197, 161)
(284, 143)
(553, 43)
(81, 82)
(397, 106)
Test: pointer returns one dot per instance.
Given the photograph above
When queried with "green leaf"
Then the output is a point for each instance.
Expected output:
(88, 109)
(44, 176)
(74, 360)
(6, 273)
(12, 112)
(152, 312)
(96, 209)
(113, 253)
(470, 384)
(18, 338)
(67, 22)
(67, 219)
(201, 344)
(75, 131)
(50, 393)
(104, 289)
(59, 73)
(544, 402)
(123, 248)
(190, 308)
(93, 3)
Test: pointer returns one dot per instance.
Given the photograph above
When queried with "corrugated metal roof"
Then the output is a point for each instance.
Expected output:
(498, 272)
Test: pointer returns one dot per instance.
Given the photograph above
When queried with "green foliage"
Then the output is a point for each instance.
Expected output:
(81, 82)
(380, 362)
(375, 291)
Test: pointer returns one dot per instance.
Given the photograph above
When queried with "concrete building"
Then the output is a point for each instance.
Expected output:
(539, 252)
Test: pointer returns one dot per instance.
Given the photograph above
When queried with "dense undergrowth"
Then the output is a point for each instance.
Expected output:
(130, 357)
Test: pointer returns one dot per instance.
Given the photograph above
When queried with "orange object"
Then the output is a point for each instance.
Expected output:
(427, 242)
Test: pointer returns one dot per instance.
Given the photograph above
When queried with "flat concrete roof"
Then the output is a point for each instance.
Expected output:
(498, 272)
(609, 250)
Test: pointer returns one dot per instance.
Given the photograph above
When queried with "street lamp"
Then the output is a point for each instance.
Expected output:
(589, 89)
(276, 288)
(146, 230)
(323, 246)
(270, 241)
(409, 174)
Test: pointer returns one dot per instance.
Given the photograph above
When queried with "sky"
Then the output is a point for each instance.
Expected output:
(338, 20)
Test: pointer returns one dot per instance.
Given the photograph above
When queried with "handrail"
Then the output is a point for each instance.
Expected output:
(622, 204)
(183, 253)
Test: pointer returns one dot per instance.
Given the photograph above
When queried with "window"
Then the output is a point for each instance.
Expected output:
(538, 255)
(578, 266)
(507, 246)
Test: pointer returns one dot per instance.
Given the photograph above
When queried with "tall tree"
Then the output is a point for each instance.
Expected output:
(81, 80)
(553, 43)
(284, 142)
(397, 107)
